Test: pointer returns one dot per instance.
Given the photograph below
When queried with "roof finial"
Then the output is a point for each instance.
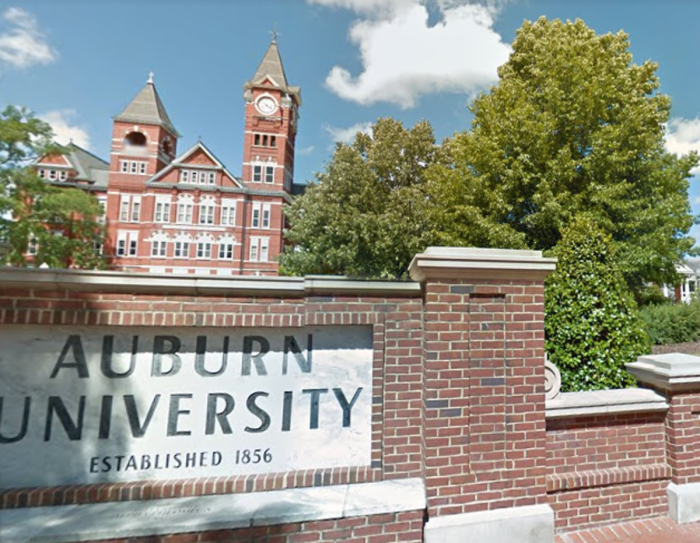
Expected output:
(274, 32)
(150, 78)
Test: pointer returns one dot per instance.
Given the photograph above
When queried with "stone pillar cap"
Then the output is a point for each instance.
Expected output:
(672, 371)
(471, 262)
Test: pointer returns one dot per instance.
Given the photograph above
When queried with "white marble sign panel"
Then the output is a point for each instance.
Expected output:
(81, 405)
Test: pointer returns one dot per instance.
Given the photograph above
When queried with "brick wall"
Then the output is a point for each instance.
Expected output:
(457, 398)
(388, 528)
(605, 469)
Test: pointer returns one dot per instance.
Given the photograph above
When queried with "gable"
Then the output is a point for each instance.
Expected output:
(199, 158)
(54, 160)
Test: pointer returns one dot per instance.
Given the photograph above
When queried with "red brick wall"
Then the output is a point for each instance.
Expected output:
(388, 528)
(603, 469)
(683, 437)
(458, 399)
(397, 384)
(484, 383)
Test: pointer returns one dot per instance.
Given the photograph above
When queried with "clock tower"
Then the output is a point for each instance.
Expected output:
(271, 115)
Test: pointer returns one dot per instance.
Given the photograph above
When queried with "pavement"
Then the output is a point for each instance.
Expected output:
(653, 530)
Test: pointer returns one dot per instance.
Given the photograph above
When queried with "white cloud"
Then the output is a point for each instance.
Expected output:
(306, 150)
(403, 57)
(63, 129)
(22, 44)
(347, 135)
(683, 136)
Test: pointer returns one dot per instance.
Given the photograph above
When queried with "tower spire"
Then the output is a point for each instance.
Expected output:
(147, 108)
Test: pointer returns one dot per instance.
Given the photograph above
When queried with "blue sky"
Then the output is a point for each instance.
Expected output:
(79, 62)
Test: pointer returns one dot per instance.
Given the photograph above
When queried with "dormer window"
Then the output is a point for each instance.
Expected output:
(198, 177)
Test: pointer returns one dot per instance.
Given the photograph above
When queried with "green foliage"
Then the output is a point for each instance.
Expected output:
(672, 323)
(572, 127)
(651, 295)
(592, 325)
(62, 222)
(366, 215)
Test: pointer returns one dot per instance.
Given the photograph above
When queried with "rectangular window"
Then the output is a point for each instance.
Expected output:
(257, 174)
(136, 167)
(182, 249)
(135, 209)
(269, 174)
(103, 203)
(158, 248)
(206, 213)
(124, 209)
(273, 141)
(194, 177)
(162, 211)
(203, 249)
(257, 139)
(62, 175)
(255, 219)
(265, 216)
(225, 251)
(184, 176)
(42, 173)
(121, 246)
(259, 249)
(32, 246)
(52, 175)
(212, 178)
(228, 213)
(184, 213)
(127, 243)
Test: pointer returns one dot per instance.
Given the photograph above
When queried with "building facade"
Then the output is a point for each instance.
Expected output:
(184, 212)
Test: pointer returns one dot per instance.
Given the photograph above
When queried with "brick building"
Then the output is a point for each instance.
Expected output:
(187, 213)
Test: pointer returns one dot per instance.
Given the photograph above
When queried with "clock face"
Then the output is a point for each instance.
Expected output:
(266, 105)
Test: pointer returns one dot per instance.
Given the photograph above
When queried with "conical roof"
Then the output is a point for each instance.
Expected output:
(147, 108)
(271, 66)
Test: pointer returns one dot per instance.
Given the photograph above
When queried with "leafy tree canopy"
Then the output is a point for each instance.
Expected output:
(366, 215)
(60, 223)
(592, 325)
(572, 127)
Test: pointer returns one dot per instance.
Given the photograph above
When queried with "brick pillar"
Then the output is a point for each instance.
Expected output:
(677, 376)
(484, 411)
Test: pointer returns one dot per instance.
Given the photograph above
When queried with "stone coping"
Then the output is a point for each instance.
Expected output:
(671, 371)
(605, 402)
(121, 520)
(470, 262)
(149, 283)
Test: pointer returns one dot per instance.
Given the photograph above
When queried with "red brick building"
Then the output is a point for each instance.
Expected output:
(187, 213)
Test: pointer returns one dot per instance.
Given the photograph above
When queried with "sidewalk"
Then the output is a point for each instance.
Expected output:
(655, 530)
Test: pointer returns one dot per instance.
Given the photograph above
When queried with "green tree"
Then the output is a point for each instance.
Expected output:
(592, 325)
(366, 215)
(572, 127)
(61, 222)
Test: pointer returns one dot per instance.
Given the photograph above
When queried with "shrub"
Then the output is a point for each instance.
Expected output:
(672, 323)
(592, 326)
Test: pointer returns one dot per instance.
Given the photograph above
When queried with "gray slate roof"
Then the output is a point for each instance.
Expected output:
(90, 168)
(147, 108)
(271, 66)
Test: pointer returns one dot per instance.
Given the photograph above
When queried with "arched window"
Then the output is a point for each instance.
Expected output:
(135, 139)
